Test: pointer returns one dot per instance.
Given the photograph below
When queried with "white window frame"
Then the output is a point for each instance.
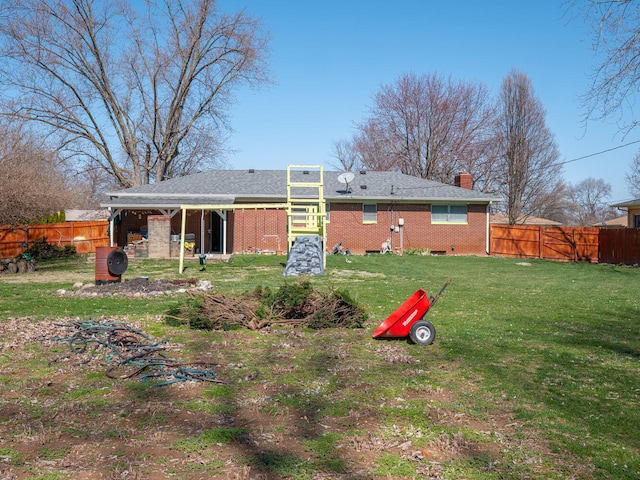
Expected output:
(299, 217)
(370, 216)
(450, 217)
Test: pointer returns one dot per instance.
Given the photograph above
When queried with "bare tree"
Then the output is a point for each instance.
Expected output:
(615, 27)
(140, 89)
(429, 126)
(346, 155)
(589, 202)
(554, 204)
(33, 183)
(633, 177)
(374, 146)
(91, 186)
(528, 150)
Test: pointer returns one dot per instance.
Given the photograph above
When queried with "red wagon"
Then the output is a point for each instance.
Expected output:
(408, 319)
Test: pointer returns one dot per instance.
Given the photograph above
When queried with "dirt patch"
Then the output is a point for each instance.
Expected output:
(60, 413)
(356, 273)
(137, 287)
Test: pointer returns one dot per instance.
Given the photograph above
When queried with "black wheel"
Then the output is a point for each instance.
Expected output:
(117, 262)
(422, 333)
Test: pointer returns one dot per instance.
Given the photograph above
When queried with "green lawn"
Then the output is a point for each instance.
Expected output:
(533, 374)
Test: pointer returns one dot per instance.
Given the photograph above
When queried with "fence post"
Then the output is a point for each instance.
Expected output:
(540, 240)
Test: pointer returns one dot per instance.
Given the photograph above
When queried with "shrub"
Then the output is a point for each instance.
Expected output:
(58, 217)
(41, 249)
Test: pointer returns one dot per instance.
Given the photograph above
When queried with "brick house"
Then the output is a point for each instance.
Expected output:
(373, 208)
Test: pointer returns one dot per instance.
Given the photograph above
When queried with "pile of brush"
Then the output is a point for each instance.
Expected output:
(293, 305)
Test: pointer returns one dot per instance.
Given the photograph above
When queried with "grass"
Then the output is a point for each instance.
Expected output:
(208, 439)
(533, 373)
(393, 466)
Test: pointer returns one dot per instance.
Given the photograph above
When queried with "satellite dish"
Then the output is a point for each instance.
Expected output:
(345, 178)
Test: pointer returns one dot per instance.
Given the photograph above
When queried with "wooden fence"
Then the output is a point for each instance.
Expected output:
(570, 244)
(620, 245)
(85, 236)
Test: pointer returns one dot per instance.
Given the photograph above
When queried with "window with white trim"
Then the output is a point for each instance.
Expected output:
(369, 213)
(327, 207)
(449, 214)
(299, 217)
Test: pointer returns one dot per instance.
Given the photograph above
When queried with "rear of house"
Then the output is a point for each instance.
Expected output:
(240, 211)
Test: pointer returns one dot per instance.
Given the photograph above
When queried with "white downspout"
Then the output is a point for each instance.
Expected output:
(487, 240)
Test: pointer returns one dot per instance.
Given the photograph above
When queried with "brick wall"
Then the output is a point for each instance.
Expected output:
(417, 233)
(192, 225)
(257, 230)
(253, 230)
(465, 239)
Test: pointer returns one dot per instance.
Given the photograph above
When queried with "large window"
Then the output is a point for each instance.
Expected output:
(369, 213)
(448, 214)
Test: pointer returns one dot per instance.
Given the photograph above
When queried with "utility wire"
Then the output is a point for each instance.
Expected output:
(598, 153)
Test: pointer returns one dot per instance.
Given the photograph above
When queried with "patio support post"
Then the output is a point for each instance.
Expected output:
(224, 232)
(111, 225)
(202, 231)
(182, 229)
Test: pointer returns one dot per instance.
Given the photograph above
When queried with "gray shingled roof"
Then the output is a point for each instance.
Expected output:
(233, 186)
(628, 204)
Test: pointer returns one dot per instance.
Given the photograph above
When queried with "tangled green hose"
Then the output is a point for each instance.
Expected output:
(131, 352)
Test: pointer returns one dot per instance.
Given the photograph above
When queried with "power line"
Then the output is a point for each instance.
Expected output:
(598, 153)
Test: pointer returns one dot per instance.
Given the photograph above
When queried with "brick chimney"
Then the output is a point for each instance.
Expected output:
(464, 180)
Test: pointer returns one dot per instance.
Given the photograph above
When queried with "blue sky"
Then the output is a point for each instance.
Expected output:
(329, 58)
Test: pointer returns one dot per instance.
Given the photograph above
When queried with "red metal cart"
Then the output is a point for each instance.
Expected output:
(408, 319)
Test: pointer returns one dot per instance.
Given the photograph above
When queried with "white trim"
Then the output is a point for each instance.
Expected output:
(449, 214)
(111, 226)
(221, 196)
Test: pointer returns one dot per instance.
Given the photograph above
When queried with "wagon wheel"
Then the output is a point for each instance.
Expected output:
(422, 333)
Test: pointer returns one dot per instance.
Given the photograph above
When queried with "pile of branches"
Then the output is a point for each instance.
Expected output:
(293, 305)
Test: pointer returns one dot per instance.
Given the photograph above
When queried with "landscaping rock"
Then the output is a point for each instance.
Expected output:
(305, 257)
(15, 265)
